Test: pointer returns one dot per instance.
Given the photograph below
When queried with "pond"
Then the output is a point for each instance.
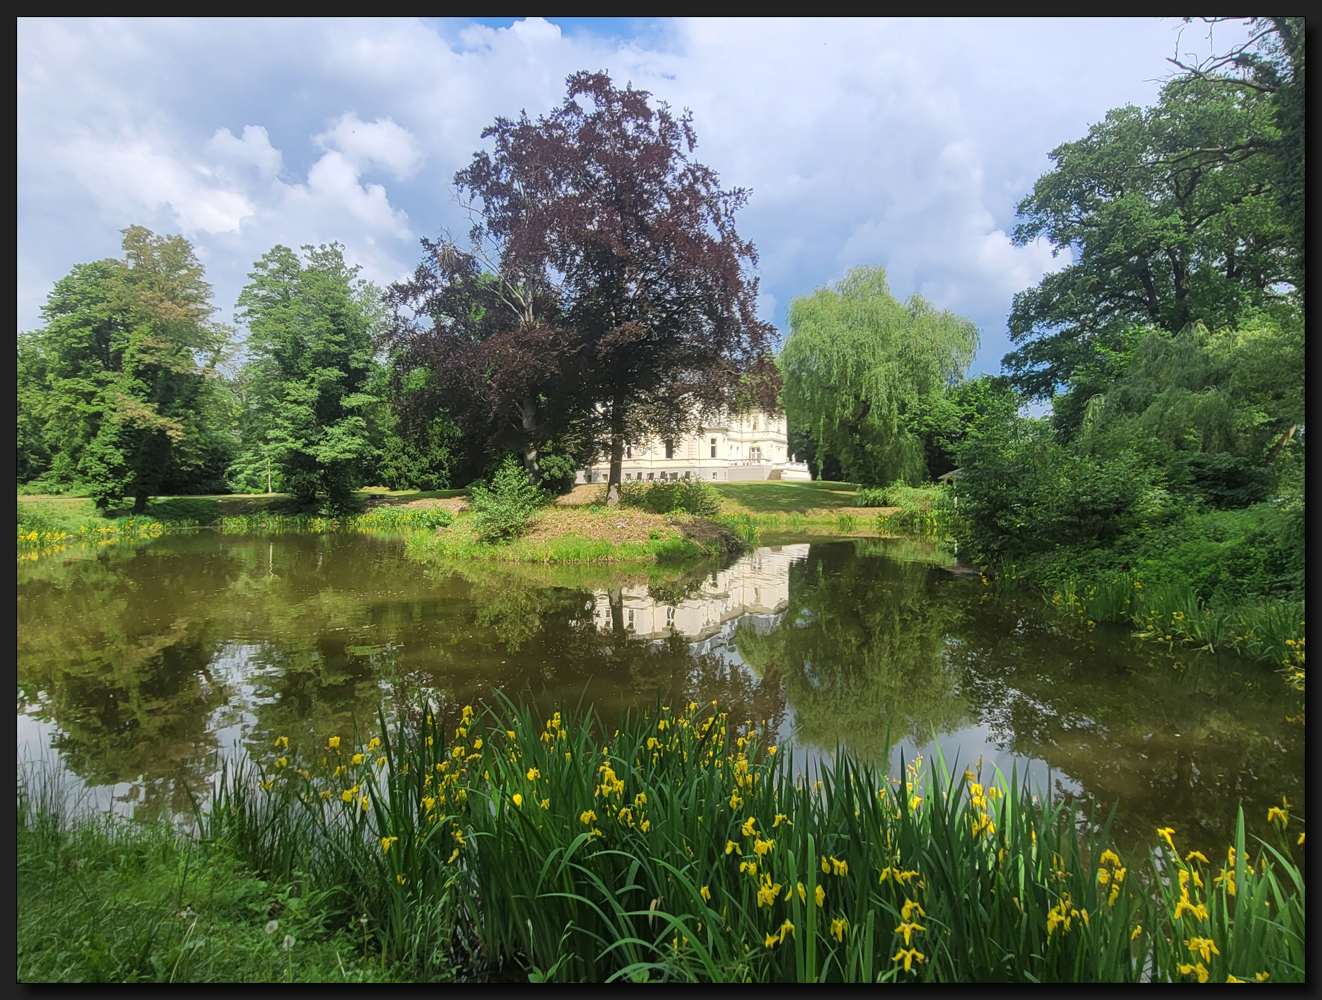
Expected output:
(140, 667)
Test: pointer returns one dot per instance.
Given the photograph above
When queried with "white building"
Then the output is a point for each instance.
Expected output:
(733, 449)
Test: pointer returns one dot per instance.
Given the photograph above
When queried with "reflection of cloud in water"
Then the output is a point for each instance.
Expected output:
(754, 588)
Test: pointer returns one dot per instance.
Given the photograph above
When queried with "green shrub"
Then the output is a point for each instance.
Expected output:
(501, 511)
(678, 496)
(558, 473)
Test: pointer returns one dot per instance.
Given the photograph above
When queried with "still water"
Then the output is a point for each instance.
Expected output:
(140, 667)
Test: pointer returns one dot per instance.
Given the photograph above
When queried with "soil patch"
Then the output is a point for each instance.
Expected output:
(621, 525)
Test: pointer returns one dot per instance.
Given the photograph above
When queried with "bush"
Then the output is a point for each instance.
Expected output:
(1221, 480)
(503, 509)
(679, 496)
(558, 473)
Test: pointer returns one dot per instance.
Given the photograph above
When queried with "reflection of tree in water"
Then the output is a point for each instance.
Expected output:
(860, 650)
(1176, 738)
(109, 660)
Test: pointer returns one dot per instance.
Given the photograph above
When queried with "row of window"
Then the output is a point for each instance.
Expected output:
(670, 449)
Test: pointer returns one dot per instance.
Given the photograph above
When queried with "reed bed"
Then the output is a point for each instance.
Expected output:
(682, 846)
(1172, 613)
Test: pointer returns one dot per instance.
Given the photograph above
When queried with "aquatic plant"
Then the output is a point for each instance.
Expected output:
(681, 845)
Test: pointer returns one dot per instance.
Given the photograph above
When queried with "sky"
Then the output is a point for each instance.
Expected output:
(901, 143)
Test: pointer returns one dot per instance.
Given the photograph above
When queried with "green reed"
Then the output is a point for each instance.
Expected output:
(680, 845)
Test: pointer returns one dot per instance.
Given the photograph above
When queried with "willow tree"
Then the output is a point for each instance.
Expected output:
(859, 366)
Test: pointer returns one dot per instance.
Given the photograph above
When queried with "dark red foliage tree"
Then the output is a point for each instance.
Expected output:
(617, 264)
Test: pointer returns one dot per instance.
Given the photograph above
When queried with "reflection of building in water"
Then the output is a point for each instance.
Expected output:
(758, 584)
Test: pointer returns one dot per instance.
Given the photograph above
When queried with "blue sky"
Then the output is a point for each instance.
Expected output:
(901, 143)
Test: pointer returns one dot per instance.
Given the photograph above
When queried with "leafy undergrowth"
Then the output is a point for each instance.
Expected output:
(106, 901)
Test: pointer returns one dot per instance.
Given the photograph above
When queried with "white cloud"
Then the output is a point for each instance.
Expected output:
(380, 143)
(253, 151)
(134, 174)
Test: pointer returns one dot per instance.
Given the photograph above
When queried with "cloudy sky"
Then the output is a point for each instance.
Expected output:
(901, 143)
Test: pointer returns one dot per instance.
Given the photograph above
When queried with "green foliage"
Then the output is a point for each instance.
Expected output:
(1023, 492)
(679, 496)
(114, 901)
(1171, 217)
(431, 461)
(859, 366)
(918, 508)
(116, 393)
(684, 848)
(558, 472)
(501, 511)
(307, 410)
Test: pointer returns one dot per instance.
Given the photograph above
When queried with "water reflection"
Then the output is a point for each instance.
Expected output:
(141, 666)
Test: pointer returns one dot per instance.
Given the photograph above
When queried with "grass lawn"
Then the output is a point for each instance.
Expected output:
(784, 498)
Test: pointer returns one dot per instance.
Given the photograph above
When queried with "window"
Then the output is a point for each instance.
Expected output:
(713, 447)
(649, 477)
(755, 453)
(628, 451)
(670, 447)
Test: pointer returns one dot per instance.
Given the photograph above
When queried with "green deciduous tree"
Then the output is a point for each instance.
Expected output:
(859, 366)
(311, 364)
(117, 391)
(1170, 216)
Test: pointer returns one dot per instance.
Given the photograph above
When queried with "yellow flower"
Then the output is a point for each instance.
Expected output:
(838, 928)
(747, 829)
(1200, 969)
(786, 928)
(1232, 979)
(640, 799)
(1301, 840)
(333, 742)
(517, 799)
(749, 867)
(705, 892)
(841, 867)
(645, 825)
(453, 856)
(910, 908)
(533, 774)
(587, 818)
(803, 896)
(735, 800)
(1275, 813)
(909, 956)
(771, 940)
(780, 818)
(907, 928)
(1109, 857)
(731, 846)
(357, 758)
(767, 891)
(821, 895)
(1262, 977)
(1202, 946)
(373, 743)
(282, 741)
(477, 744)
(400, 879)
(771, 751)
(1138, 929)
(762, 847)
(386, 842)
(826, 867)
(363, 802)
(347, 796)
(380, 762)
(1165, 833)
(1196, 854)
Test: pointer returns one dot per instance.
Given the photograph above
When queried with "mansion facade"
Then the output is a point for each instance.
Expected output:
(734, 448)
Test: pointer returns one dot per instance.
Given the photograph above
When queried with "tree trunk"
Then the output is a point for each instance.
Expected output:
(617, 452)
(140, 502)
(528, 419)
(616, 599)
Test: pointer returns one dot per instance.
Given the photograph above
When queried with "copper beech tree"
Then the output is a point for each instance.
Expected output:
(604, 291)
